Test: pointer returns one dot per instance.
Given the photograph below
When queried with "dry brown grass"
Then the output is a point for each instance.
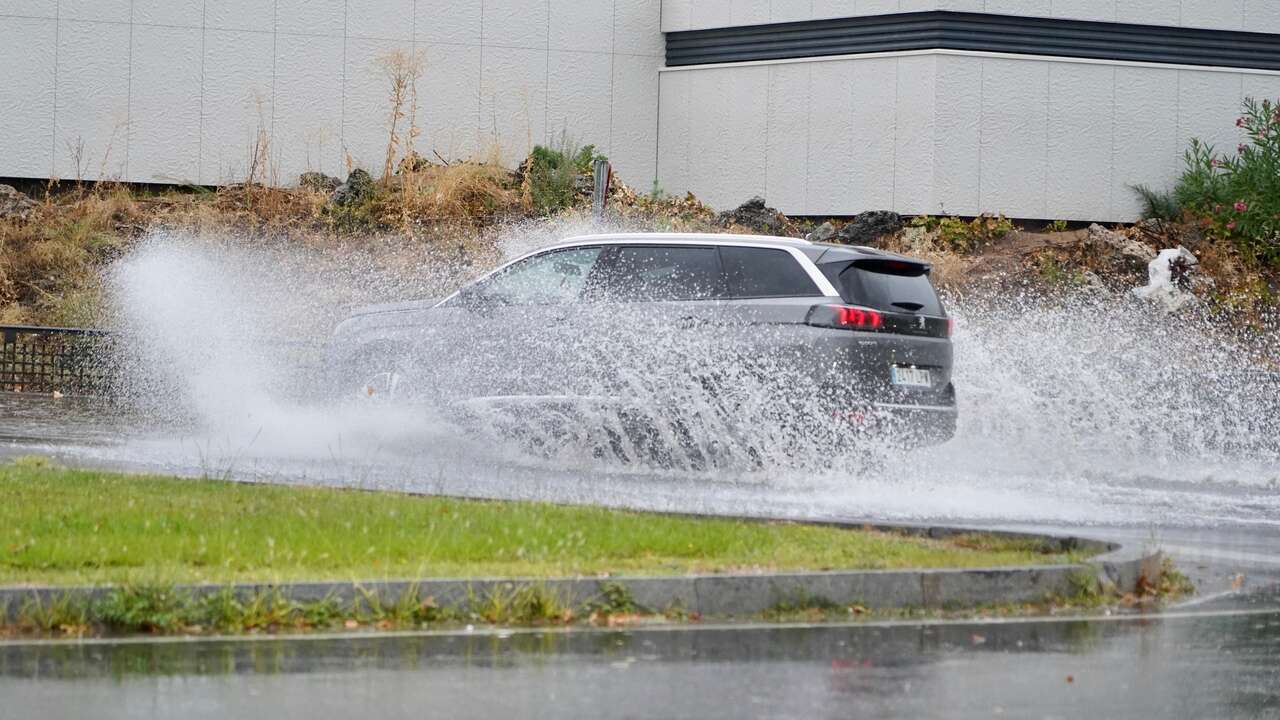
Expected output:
(470, 193)
(684, 213)
(49, 260)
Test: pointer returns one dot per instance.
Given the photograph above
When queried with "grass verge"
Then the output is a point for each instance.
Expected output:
(144, 538)
(73, 527)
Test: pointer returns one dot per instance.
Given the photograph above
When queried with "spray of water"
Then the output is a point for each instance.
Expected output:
(1084, 408)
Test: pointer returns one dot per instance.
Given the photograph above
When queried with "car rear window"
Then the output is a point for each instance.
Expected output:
(892, 287)
(763, 273)
(657, 273)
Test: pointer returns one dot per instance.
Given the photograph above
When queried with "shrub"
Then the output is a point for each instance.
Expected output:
(552, 173)
(957, 235)
(144, 608)
(1237, 197)
(1158, 205)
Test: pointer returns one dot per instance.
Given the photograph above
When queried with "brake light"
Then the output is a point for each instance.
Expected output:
(846, 317)
(951, 326)
(859, 318)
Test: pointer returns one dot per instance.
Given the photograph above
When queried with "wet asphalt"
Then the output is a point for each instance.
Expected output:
(1219, 663)
(1216, 656)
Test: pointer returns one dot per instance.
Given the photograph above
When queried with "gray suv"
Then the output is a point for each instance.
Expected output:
(659, 339)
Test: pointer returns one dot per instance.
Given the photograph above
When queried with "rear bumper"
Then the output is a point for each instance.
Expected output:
(923, 424)
(909, 425)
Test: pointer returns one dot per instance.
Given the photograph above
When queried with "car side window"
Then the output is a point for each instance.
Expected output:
(660, 273)
(551, 278)
(765, 273)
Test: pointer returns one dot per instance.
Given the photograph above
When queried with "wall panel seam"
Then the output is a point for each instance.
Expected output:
(57, 43)
(897, 117)
(204, 7)
(275, 55)
(982, 110)
(342, 114)
(1111, 170)
(1048, 111)
(128, 108)
(546, 84)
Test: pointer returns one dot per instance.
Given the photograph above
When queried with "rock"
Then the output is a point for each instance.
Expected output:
(870, 226)
(318, 182)
(358, 188)
(14, 204)
(1131, 254)
(756, 215)
(823, 233)
(1090, 281)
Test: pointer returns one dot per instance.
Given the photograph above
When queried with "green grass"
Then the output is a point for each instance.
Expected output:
(73, 527)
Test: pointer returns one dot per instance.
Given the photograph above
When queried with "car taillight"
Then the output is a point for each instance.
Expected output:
(951, 326)
(846, 316)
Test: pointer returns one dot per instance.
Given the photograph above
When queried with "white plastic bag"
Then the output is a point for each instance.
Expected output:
(1163, 274)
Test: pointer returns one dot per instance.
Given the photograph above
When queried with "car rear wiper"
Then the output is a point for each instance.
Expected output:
(909, 306)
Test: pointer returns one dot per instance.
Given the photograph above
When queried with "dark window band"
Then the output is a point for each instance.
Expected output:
(942, 30)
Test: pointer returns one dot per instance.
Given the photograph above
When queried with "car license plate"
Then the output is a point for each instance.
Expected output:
(912, 377)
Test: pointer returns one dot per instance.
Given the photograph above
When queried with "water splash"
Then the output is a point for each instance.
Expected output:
(1078, 408)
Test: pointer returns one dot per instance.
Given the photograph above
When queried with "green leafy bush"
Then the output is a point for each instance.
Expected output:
(552, 173)
(1237, 197)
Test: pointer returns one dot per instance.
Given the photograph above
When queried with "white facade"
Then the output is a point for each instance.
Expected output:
(175, 90)
(942, 132)
(949, 132)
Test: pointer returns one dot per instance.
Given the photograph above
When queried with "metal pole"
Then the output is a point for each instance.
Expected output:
(603, 177)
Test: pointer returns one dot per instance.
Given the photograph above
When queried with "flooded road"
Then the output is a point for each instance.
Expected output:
(1213, 656)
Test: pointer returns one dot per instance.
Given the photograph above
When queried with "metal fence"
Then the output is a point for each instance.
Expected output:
(71, 361)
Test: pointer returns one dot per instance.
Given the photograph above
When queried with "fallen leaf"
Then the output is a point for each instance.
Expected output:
(351, 624)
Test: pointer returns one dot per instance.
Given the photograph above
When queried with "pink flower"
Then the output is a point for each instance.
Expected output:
(1213, 162)
(1231, 225)
(1240, 148)
(1239, 122)
(1241, 206)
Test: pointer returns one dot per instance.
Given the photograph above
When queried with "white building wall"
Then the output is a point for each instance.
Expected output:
(175, 90)
(943, 132)
(1249, 15)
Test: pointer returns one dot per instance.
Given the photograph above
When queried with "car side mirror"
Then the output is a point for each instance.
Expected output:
(475, 299)
(471, 297)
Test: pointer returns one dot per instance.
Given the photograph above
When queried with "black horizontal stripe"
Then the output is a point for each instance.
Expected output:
(941, 30)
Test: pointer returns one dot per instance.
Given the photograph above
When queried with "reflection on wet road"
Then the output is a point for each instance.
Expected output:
(1196, 666)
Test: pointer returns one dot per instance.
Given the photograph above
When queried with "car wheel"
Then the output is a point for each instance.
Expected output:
(381, 375)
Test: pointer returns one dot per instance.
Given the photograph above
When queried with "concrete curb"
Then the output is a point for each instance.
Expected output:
(730, 595)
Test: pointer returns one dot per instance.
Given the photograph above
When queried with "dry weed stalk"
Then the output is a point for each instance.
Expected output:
(403, 69)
